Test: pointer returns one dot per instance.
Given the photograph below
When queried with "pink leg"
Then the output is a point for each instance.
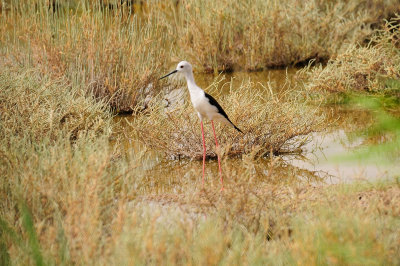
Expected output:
(204, 151)
(219, 161)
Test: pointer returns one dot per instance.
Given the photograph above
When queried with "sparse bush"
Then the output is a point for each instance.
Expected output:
(271, 124)
(38, 108)
(361, 68)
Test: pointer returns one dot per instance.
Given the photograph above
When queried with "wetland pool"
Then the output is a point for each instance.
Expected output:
(323, 159)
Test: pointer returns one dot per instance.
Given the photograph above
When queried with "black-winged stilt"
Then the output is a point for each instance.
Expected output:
(206, 107)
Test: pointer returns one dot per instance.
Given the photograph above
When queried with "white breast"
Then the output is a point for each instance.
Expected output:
(206, 109)
(201, 103)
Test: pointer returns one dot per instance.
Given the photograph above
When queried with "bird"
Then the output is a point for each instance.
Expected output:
(206, 107)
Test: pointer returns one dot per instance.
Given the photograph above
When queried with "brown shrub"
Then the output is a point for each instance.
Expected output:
(270, 124)
(361, 68)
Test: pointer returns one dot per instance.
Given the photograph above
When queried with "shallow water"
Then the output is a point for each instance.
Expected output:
(330, 151)
(323, 158)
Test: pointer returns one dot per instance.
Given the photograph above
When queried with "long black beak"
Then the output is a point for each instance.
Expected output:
(173, 72)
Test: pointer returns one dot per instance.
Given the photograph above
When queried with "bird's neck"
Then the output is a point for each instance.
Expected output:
(193, 88)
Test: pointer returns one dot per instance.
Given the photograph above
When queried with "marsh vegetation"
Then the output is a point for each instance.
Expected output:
(81, 184)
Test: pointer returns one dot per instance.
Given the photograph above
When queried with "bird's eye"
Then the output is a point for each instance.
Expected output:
(181, 66)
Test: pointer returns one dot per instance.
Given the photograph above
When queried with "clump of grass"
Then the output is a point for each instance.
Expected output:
(66, 184)
(361, 68)
(254, 35)
(270, 124)
(115, 53)
(31, 246)
(39, 107)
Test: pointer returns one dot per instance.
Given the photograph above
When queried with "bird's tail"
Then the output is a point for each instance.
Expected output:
(227, 121)
(237, 128)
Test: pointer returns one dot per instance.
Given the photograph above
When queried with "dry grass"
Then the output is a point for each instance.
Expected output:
(69, 197)
(118, 50)
(254, 35)
(89, 203)
(115, 53)
(65, 183)
(43, 108)
(361, 68)
(269, 226)
(271, 124)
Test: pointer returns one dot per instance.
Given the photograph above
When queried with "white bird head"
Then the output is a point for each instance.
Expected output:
(183, 67)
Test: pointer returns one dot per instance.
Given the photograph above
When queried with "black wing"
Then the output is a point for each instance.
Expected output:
(220, 110)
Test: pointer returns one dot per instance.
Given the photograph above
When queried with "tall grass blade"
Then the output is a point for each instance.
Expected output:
(34, 245)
